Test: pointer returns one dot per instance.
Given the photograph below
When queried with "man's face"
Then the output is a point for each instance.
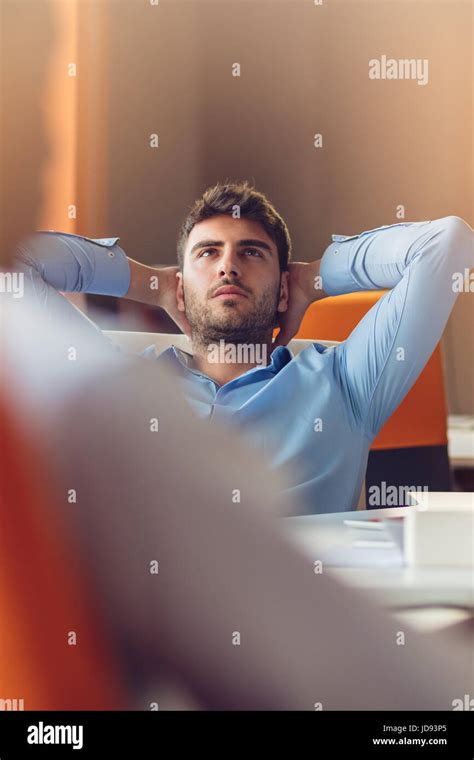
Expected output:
(224, 255)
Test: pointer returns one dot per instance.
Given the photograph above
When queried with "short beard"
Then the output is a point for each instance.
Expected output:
(255, 327)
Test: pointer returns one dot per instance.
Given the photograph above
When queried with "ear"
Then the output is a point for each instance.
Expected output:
(284, 291)
(180, 291)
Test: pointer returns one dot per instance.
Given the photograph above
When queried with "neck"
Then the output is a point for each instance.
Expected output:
(225, 360)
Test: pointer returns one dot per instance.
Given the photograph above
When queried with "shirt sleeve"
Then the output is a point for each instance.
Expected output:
(74, 264)
(422, 263)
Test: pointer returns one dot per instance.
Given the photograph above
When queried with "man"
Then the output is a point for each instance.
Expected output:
(142, 496)
(316, 414)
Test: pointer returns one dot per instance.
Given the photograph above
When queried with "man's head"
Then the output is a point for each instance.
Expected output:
(233, 238)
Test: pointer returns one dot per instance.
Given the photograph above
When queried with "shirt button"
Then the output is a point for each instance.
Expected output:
(111, 254)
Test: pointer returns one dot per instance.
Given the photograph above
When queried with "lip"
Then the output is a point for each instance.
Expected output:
(229, 290)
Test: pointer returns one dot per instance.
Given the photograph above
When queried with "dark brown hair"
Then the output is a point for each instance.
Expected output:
(222, 199)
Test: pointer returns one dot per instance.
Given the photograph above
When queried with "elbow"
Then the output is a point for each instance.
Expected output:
(458, 234)
(457, 241)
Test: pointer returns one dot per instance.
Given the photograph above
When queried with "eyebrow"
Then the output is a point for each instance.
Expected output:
(219, 243)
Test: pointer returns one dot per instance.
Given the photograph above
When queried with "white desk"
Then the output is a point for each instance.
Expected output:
(381, 571)
(443, 498)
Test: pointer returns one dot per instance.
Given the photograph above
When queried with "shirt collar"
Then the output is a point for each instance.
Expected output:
(178, 360)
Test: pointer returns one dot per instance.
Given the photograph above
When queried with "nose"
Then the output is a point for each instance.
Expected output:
(229, 264)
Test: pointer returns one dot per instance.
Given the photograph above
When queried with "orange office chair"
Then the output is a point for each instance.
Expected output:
(43, 596)
(412, 446)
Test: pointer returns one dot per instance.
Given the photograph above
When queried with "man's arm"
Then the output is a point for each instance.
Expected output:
(55, 261)
(74, 264)
(385, 353)
(305, 287)
(157, 287)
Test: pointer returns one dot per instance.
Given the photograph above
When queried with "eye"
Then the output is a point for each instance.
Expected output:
(252, 250)
(208, 250)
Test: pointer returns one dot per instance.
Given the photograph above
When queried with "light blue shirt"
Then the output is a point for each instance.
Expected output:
(314, 414)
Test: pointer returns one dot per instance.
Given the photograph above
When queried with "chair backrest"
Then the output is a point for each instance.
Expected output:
(44, 599)
(421, 418)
